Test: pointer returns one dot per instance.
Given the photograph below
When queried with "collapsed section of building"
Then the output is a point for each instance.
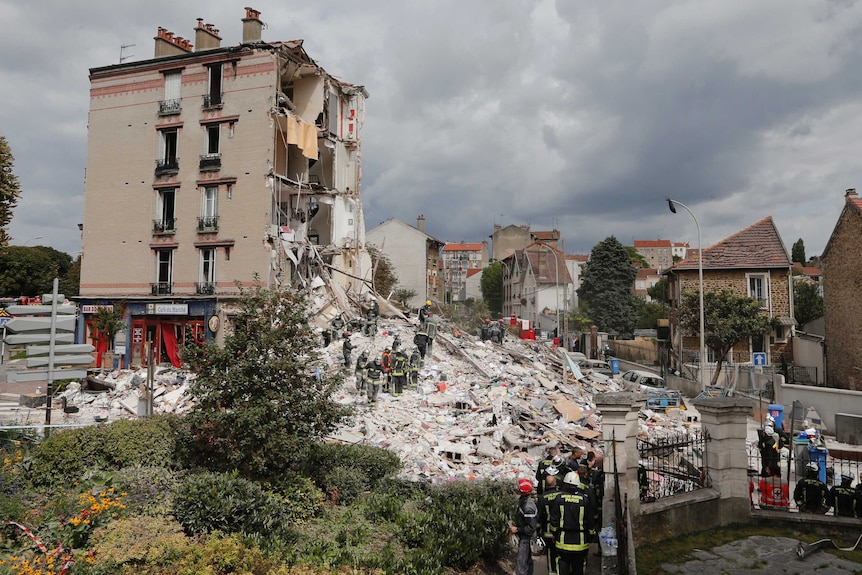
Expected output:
(211, 166)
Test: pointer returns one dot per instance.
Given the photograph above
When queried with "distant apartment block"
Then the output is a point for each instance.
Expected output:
(659, 254)
(459, 260)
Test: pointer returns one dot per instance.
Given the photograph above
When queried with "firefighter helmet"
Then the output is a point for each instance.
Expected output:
(572, 478)
(812, 466)
(525, 486)
(551, 470)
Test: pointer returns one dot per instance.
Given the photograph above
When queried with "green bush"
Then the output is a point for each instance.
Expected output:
(230, 504)
(138, 545)
(65, 456)
(375, 463)
(466, 521)
(344, 484)
(301, 498)
(150, 489)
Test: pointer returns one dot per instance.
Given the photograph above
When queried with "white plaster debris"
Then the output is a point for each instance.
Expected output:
(499, 410)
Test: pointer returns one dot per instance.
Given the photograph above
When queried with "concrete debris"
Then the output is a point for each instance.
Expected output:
(478, 410)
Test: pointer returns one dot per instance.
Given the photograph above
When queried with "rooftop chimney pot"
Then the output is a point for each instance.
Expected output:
(850, 192)
(251, 26)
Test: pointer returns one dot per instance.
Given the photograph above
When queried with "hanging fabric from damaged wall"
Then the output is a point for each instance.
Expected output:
(303, 135)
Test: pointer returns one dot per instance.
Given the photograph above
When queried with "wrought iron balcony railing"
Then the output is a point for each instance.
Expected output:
(205, 288)
(167, 167)
(170, 107)
(161, 288)
(165, 226)
(213, 101)
(208, 224)
(210, 162)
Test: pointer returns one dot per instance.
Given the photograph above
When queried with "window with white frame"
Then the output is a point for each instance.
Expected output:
(164, 266)
(165, 217)
(168, 147)
(758, 288)
(207, 271)
(212, 140)
(209, 207)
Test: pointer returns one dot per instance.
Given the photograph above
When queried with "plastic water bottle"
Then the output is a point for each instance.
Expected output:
(608, 541)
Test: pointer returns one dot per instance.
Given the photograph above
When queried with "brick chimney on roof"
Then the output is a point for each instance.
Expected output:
(850, 194)
(251, 26)
(167, 44)
(206, 37)
(420, 223)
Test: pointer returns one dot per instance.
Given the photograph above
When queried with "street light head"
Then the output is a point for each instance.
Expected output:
(670, 205)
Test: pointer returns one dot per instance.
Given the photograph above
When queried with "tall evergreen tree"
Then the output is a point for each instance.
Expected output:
(265, 394)
(807, 302)
(491, 285)
(797, 254)
(10, 190)
(607, 288)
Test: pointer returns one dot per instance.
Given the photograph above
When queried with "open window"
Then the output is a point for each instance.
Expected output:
(206, 275)
(167, 161)
(208, 220)
(164, 222)
(164, 272)
(213, 97)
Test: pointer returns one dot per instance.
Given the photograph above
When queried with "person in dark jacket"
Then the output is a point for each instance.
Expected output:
(374, 378)
(346, 348)
(399, 373)
(421, 342)
(843, 497)
(327, 337)
(810, 492)
(415, 364)
(572, 514)
(360, 371)
(525, 527)
(546, 530)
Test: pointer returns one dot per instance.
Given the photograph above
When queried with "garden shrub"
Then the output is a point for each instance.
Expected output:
(150, 489)
(344, 484)
(375, 463)
(301, 498)
(65, 456)
(225, 502)
(138, 545)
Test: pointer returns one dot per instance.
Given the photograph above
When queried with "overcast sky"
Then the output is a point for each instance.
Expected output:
(576, 115)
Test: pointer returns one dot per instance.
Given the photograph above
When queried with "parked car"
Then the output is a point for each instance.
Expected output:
(645, 381)
(596, 366)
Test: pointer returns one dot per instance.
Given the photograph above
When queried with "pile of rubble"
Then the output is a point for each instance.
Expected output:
(479, 410)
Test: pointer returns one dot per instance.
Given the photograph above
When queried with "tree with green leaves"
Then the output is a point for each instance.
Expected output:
(607, 288)
(649, 313)
(30, 270)
(109, 321)
(404, 295)
(636, 258)
(728, 318)
(383, 274)
(797, 254)
(10, 190)
(491, 284)
(807, 302)
(264, 395)
(70, 282)
(659, 292)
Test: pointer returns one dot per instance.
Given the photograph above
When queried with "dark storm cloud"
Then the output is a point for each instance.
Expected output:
(583, 116)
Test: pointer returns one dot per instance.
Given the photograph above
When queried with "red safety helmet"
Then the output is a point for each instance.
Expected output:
(525, 486)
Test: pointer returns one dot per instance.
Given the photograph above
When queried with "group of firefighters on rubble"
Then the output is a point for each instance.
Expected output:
(394, 370)
(566, 514)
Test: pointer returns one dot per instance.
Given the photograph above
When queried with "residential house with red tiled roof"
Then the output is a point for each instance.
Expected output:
(752, 262)
(537, 285)
(842, 276)
(457, 260)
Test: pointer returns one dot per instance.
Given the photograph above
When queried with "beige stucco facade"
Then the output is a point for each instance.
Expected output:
(217, 166)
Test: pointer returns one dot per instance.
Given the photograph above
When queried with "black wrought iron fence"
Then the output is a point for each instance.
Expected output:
(672, 464)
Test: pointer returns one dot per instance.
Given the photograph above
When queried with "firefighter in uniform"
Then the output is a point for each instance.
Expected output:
(399, 372)
(386, 362)
(360, 371)
(525, 527)
(810, 492)
(843, 497)
(415, 361)
(347, 347)
(546, 500)
(571, 516)
(421, 341)
(374, 377)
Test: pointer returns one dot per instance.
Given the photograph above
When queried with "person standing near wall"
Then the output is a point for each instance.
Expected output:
(810, 492)
(547, 531)
(571, 517)
(843, 497)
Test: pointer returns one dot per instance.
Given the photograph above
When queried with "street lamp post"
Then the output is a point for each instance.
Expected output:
(670, 204)
(31, 240)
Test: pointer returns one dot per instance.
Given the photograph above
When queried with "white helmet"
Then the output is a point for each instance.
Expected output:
(812, 466)
(552, 471)
(572, 478)
(768, 430)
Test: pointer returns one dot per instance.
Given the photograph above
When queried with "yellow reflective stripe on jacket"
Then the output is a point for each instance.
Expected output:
(572, 539)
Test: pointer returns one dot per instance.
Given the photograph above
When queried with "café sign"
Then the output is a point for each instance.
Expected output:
(167, 309)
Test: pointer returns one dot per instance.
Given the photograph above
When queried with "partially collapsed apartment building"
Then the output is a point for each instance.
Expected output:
(210, 165)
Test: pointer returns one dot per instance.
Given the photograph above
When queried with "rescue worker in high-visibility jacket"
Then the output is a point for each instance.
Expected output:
(554, 459)
(386, 363)
(374, 379)
(546, 530)
(571, 516)
(843, 497)
(399, 373)
(524, 527)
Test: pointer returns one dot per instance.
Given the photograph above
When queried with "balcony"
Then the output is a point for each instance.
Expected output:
(213, 101)
(170, 107)
(166, 226)
(167, 167)
(207, 224)
(205, 288)
(161, 288)
(210, 162)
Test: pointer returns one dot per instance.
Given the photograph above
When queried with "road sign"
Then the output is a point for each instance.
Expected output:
(759, 358)
(28, 324)
(41, 309)
(42, 375)
(68, 359)
(39, 337)
(34, 350)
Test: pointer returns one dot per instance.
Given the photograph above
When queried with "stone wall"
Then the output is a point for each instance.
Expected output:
(842, 279)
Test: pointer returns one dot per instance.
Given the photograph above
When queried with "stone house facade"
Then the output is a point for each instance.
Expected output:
(842, 277)
(754, 263)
